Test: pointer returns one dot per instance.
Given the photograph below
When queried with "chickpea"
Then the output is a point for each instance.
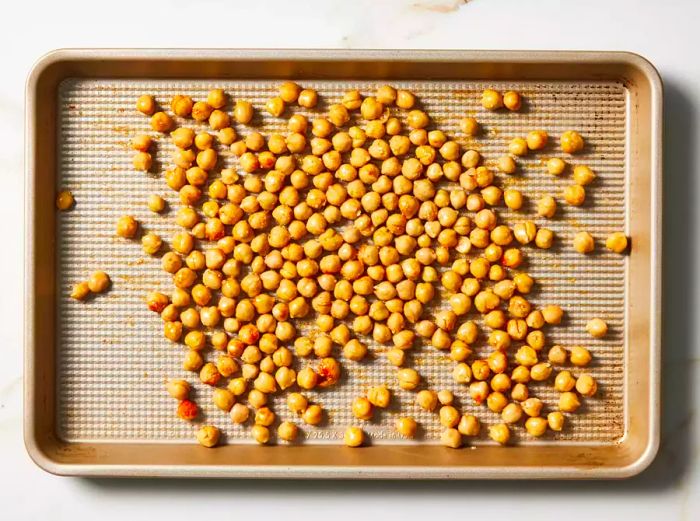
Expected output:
(355, 350)
(178, 389)
(127, 226)
(451, 438)
(146, 104)
(208, 436)
(307, 378)
(518, 146)
(260, 433)
(583, 175)
(555, 421)
(352, 100)
(243, 112)
(362, 408)
(312, 415)
(513, 199)
(569, 402)
(536, 426)
(193, 361)
(417, 119)
(616, 242)
(541, 372)
(64, 199)
(552, 314)
(151, 243)
(536, 139)
(98, 282)
(297, 403)
(583, 242)
(586, 385)
(80, 291)
(532, 406)
(511, 413)
(597, 328)
(512, 100)
(406, 426)
(469, 126)
(427, 400)
(462, 373)
(354, 437)
(161, 122)
(575, 195)
(500, 433)
(506, 164)
(556, 166)
(557, 355)
(571, 142)
(409, 379)
(491, 99)
(209, 374)
(379, 396)
(223, 399)
(287, 431)
(308, 98)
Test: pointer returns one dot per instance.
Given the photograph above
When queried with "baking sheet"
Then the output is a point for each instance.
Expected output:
(113, 359)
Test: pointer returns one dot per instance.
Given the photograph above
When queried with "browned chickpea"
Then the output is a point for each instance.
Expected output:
(181, 106)
(491, 99)
(308, 98)
(469, 126)
(512, 100)
(146, 104)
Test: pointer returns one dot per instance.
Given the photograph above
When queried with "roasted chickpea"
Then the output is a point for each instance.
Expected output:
(491, 99)
(616, 242)
(571, 142)
(583, 242)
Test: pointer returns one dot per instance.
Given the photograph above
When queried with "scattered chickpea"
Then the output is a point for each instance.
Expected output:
(156, 203)
(569, 402)
(518, 147)
(586, 385)
(616, 242)
(583, 175)
(64, 200)
(127, 226)
(469, 126)
(583, 242)
(571, 142)
(500, 433)
(512, 100)
(407, 427)
(354, 437)
(98, 282)
(146, 104)
(597, 328)
(536, 426)
(260, 433)
(308, 98)
(491, 99)
(451, 438)
(575, 195)
(80, 291)
(536, 139)
(555, 421)
(287, 431)
(178, 389)
(556, 166)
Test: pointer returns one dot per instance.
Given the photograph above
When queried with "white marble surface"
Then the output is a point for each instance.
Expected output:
(664, 32)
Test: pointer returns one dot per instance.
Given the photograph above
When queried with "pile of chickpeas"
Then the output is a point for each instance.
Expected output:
(360, 220)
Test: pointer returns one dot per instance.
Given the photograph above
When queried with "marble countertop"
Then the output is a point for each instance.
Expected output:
(664, 32)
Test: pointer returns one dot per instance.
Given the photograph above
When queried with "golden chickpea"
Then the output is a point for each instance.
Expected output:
(513, 199)
(127, 226)
(512, 413)
(462, 373)
(583, 175)
(451, 438)
(308, 98)
(405, 99)
(417, 119)
(142, 161)
(496, 401)
(506, 164)
(161, 122)
(141, 143)
(379, 396)
(541, 372)
(583, 242)
(98, 282)
(146, 104)
(597, 328)
(469, 126)
(557, 355)
(536, 139)
(362, 408)
(287, 431)
(181, 106)
(354, 437)
(536, 426)
(512, 100)
(586, 385)
(555, 421)
(616, 242)
(297, 403)
(275, 106)
(546, 206)
(80, 291)
(260, 433)
(556, 166)
(151, 243)
(552, 314)
(312, 415)
(178, 389)
(544, 238)
(352, 99)
(355, 350)
(571, 142)
(518, 146)
(409, 379)
(500, 433)
(491, 99)
(575, 195)
(427, 400)
(307, 378)
(209, 374)
(223, 399)
(193, 361)
(569, 402)
(64, 199)
(208, 436)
